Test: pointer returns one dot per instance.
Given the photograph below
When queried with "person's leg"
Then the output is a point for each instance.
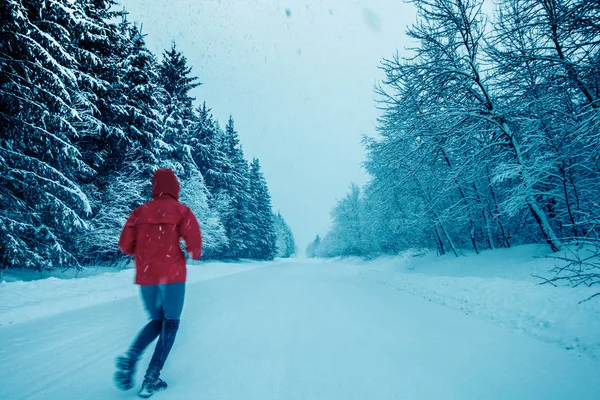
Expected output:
(172, 299)
(126, 363)
(152, 300)
(173, 296)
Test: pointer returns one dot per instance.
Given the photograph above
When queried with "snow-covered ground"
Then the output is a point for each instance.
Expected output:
(390, 328)
(500, 286)
(22, 301)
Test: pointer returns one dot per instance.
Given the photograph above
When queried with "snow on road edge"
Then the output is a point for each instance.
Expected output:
(25, 301)
(550, 314)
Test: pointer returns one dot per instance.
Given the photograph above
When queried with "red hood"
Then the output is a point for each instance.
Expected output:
(165, 182)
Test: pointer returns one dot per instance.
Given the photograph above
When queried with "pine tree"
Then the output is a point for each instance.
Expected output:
(176, 77)
(41, 199)
(195, 195)
(126, 189)
(313, 248)
(177, 82)
(206, 141)
(123, 88)
(263, 239)
(286, 245)
(235, 198)
(131, 144)
(179, 117)
(87, 113)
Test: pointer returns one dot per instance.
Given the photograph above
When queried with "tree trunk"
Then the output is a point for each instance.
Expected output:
(496, 211)
(541, 219)
(466, 203)
(438, 240)
(437, 218)
(486, 221)
(536, 210)
(452, 246)
(568, 199)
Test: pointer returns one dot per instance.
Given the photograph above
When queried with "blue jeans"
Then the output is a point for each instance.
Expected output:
(164, 304)
(164, 301)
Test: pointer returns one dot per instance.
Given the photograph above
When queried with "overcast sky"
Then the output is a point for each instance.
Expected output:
(298, 78)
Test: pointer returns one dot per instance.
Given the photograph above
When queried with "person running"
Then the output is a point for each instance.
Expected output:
(152, 234)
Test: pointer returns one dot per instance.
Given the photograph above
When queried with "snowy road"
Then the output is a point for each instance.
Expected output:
(296, 330)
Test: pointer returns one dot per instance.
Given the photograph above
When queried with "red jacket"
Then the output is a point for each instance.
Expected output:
(153, 231)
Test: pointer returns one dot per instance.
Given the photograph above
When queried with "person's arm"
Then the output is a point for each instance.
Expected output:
(128, 235)
(190, 231)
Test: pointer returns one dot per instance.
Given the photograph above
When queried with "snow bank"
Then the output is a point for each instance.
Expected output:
(498, 286)
(23, 301)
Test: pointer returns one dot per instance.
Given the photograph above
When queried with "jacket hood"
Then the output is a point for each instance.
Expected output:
(165, 182)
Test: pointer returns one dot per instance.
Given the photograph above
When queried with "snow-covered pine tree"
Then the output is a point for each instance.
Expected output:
(125, 190)
(188, 139)
(195, 195)
(206, 141)
(286, 245)
(235, 198)
(207, 149)
(262, 242)
(177, 82)
(42, 202)
(127, 150)
(123, 88)
(313, 247)
(176, 78)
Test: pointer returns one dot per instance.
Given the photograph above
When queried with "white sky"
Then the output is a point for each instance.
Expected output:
(297, 76)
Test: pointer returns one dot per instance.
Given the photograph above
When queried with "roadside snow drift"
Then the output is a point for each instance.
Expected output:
(499, 286)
